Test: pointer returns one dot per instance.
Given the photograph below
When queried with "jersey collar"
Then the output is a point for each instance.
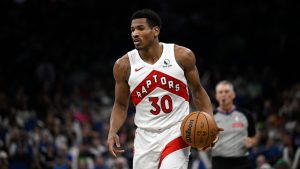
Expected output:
(226, 112)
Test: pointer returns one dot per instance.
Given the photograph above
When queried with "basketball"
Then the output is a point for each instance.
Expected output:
(198, 129)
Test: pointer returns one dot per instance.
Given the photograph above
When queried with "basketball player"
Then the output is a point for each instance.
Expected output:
(156, 76)
(231, 151)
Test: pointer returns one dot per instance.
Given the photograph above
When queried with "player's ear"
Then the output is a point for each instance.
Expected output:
(156, 30)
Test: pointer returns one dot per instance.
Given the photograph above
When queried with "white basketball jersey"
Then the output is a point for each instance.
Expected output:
(159, 91)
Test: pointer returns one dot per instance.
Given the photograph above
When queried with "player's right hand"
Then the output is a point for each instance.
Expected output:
(209, 147)
(113, 143)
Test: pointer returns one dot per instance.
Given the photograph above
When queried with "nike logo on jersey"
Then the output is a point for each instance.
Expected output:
(137, 69)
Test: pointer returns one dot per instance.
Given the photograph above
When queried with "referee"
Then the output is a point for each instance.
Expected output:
(231, 151)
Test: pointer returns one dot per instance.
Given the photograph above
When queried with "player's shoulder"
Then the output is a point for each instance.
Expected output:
(122, 61)
(122, 64)
(182, 50)
(184, 56)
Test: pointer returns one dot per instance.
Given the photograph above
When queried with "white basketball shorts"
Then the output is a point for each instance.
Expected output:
(160, 150)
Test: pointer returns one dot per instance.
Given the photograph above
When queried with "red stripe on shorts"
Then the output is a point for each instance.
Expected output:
(174, 145)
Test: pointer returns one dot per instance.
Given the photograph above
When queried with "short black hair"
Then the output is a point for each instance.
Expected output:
(153, 19)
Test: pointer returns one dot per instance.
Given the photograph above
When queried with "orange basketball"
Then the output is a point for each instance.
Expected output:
(198, 129)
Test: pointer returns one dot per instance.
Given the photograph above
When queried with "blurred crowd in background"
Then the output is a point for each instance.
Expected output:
(57, 88)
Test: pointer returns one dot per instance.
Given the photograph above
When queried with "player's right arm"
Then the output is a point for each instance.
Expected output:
(119, 111)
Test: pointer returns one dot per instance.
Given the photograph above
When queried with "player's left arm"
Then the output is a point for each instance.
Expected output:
(186, 59)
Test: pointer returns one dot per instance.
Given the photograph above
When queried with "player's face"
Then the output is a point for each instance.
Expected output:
(225, 94)
(142, 34)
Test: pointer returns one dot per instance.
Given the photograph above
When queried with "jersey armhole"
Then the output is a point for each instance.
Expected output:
(172, 50)
(130, 58)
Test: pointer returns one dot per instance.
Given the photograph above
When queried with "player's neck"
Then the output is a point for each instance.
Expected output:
(152, 54)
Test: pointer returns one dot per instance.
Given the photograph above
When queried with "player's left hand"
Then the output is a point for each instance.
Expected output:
(209, 147)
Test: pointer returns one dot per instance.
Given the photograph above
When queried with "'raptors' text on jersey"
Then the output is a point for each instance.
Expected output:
(159, 91)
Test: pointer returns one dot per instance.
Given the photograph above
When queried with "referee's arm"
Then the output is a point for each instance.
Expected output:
(251, 140)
